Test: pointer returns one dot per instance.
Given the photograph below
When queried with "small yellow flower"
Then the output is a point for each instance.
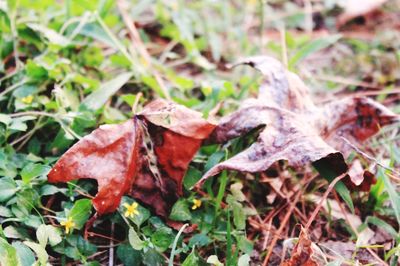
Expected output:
(27, 100)
(196, 204)
(144, 61)
(131, 210)
(68, 224)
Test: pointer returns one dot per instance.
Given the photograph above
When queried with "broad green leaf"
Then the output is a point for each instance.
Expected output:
(8, 254)
(96, 32)
(244, 260)
(194, 260)
(382, 224)
(31, 171)
(214, 159)
(244, 244)
(135, 240)
(239, 216)
(25, 90)
(51, 35)
(5, 212)
(180, 211)
(236, 190)
(80, 247)
(344, 192)
(213, 259)
(5, 119)
(15, 232)
(80, 212)
(340, 187)
(138, 219)
(153, 258)
(393, 195)
(191, 177)
(48, 233)
(42, 235)
(312, 47)
(32, 221)
(8, 188)
(128, 255)
(39, 251)
(35, 71)
(162, 238)
(25, 254)
(50, 190)
(54, 235)
(100, 96)
(153, 84)
(199, 240)
(129, 98)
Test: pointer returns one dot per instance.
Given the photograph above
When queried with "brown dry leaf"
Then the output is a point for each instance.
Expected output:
(146, 156)
(296, 130)
(173, 134)
(356, 8)
(347, 251)
(360, 179)
(302, 252)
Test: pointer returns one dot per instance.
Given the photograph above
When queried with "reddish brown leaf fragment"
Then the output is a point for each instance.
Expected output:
(302, 252)
(178, 119)
(108, 155)
(162, 186)
(173, 134)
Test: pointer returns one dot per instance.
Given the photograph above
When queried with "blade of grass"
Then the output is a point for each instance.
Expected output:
(393, 195)
(312, 47)
(171, 258)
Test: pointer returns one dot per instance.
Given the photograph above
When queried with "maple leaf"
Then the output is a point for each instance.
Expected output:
(146, 156)
(296, 130)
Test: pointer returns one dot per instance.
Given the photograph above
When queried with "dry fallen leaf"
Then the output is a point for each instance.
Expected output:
(296, 130)
(360, 179)
(302, 252)
(146, 156)
(356, 8)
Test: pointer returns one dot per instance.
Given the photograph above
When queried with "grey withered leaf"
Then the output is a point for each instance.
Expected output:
(296, 130)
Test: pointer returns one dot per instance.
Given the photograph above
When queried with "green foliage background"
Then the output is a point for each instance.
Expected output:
(68, 66)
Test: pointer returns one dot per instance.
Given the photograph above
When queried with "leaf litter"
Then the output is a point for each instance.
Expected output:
(148, 155)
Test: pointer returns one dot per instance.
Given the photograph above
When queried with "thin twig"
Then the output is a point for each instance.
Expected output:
(282, 226)
(136, 102)
(369, 157)
(101, 236)
(13, 87)
(111, 257)
(34, 113)
(325, 196)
